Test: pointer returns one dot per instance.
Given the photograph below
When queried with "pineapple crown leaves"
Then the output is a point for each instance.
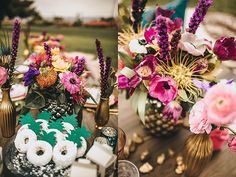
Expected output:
(76, 134)
(44, 115)
(33, 125)
(48, 137)
(71, 119)
(56, 125)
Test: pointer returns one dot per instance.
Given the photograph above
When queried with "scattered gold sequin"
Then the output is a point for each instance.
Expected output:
(131, 146)
(144, 156)
(137, 138)
(145, 168)
(161, 159)
(171, 153)
(126, 152)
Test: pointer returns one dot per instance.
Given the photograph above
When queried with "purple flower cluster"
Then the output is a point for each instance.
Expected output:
(80, 66)
(48, 52)
(198, 15)
(105, 67)
(137, 11)
(175, 40)
(30, 76)
(15, 42)
(162, 37)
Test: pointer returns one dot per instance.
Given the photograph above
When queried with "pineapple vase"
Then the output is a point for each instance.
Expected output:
(154, 122)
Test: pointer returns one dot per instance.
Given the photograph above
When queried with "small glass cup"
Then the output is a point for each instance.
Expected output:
(121, 143)
(127, 169)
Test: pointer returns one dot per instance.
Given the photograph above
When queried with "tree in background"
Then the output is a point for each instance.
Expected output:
(17, 8)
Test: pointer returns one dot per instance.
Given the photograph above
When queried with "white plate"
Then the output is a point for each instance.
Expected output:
(18, 92)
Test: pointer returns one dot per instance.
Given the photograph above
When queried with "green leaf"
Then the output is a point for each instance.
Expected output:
(26, 119)
(56, 125)
(183, 95)
(126, 59)
(72, 119)
(44, 115)
(129, 73)
(35, 126)
(35, 100)
(48, 137)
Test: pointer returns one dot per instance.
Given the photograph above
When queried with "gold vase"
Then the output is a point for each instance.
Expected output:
(102, 112)
(197, 153)
(7, 114)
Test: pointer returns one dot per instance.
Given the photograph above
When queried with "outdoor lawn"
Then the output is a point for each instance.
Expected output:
(80, 39)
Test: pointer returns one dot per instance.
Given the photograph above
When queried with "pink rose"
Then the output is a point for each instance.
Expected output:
(163, 89)
(3, 75)
(232, 144)
(221, 104)
(198, 119)
(218, 138)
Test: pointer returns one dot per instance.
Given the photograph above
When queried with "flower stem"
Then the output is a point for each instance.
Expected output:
(230, 129)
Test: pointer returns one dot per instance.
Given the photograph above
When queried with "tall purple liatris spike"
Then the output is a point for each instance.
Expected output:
(15, 42)
(175, 40)
(198, 15)
(79, 69)
(162, 37)
(102, 66)
(48, 53)
(107, 73)
(137, 11)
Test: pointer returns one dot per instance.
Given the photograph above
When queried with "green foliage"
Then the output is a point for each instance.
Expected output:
(35, 100)
(48, 137)
(71, 119)
(44, 115)
(56, 125)
(126, 59)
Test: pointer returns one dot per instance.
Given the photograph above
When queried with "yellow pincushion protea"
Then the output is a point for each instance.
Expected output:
(183, 68)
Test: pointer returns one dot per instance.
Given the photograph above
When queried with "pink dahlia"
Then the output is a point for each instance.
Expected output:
(198, 120)
(3, 75)
(71, 82)
(163, 89)
(221, 104)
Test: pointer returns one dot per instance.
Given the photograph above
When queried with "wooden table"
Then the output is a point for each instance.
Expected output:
(223, 163)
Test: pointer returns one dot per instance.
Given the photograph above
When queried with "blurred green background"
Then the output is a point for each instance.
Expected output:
(227, 6)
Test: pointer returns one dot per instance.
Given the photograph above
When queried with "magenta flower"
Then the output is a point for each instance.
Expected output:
(218, 138)
(164, 12)
(172, 110)
(71, 82)
(232, 144)
(150, 34)
(3, 75)
(163, 89)
(225, 48)
(133, 83)
(123, 82)
(146, 68)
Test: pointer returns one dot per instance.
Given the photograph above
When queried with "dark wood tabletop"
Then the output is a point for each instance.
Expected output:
(223, 163)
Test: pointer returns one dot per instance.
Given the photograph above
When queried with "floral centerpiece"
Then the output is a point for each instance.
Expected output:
(165, 67)
(8, 56)
(55, 82)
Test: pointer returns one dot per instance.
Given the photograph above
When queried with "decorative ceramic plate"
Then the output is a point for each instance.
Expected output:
(18, 92)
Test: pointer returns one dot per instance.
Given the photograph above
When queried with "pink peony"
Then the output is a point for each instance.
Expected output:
(218, 138)
(221, 104)
(3, 75)
(198, 118)
(163, 89)
(172, 110)
(232, 144)
(71, 82)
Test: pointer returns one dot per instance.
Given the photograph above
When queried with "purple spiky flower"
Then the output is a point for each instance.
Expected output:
(15, 43)
(198, 15)
(162, 37)
(175, 40)
(107, 73)
(48, 53)
(137, 11)
(80, 66)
